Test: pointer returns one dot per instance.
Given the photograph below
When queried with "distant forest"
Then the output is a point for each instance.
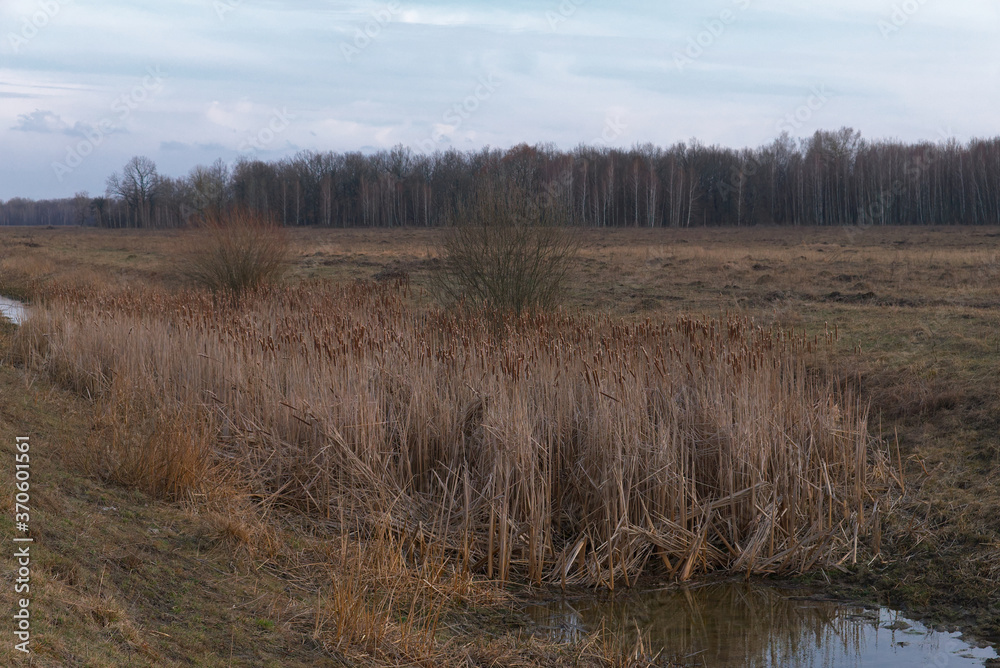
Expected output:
(831, 178)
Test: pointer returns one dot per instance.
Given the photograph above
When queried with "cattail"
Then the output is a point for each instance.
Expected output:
(584, 444)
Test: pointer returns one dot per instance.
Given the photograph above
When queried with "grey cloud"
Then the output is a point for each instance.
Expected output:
(40, 120)
(86, 130)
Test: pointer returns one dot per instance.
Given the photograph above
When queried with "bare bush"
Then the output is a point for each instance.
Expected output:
(505, 252)
(236, 251)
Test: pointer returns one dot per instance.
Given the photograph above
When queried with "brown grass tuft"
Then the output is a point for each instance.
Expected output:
(165, 451)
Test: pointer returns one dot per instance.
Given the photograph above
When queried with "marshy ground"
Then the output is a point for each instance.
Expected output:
(125, 579)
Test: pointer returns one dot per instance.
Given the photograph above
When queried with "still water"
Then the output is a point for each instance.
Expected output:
(740, 625)
(12, 310)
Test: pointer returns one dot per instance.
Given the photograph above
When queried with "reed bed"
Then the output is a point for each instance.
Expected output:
(549, 448)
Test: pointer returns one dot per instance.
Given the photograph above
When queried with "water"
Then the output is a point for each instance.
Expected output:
(740, 625)
(12, 310)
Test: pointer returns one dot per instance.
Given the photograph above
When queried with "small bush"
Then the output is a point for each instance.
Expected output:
(237, 251)
(505, 252)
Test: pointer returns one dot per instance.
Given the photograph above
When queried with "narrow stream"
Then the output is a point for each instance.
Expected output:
(12, 310)
(740, 625)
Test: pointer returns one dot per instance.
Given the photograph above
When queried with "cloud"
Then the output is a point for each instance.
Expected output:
(565, 67)
(238, 116)
(40, 120)
(44, 121)
(87, 130)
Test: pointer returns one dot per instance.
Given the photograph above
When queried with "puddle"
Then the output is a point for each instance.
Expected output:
(12, 310)
(736, 625)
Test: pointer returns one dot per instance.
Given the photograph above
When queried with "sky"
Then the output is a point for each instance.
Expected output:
(87, 84)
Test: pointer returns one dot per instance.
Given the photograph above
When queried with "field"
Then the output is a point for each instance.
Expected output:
(151, 549)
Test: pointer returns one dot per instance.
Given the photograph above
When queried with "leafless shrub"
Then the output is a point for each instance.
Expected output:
(505, 252)
(236, 251)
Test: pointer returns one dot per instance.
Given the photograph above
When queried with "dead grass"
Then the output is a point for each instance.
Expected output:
(121, 580)
(915, 309)
(575, 450)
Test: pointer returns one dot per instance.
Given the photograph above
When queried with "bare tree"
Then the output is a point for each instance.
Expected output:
(81, 207)
(99, 207)
(209, 187)
(829, 178)
(136, 186)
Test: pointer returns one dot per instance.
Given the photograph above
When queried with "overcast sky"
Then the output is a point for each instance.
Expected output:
(85, 85)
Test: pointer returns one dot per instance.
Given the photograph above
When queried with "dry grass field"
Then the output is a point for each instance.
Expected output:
(240, 479)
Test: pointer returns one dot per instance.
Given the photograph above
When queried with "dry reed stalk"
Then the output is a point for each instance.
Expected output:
(575, 449)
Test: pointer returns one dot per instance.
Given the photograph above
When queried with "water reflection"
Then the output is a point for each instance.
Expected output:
(11, 310)
(746, 625)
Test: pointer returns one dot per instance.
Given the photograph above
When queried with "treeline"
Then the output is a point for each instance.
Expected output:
(831, 178)
(70, 211)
